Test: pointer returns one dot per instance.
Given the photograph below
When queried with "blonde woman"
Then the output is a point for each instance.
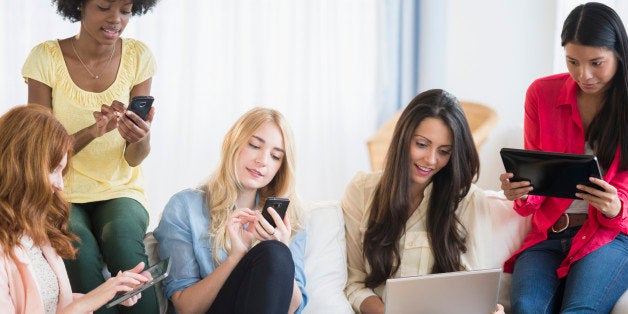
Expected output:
(226, 258)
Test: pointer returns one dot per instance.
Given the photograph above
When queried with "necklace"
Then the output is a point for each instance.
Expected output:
(85, 65)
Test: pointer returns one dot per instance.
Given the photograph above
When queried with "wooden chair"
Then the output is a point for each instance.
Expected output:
(482, 120)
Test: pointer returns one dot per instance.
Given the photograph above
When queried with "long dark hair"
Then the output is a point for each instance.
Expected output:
(389, 210)
(597, 25)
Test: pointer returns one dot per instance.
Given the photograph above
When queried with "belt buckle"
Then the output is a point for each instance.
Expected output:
(561, 228)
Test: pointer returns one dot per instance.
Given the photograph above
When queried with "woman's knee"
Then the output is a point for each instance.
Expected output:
(531, 305)
(272, 256)
(79, 223)
(125, 208)
(534, 302)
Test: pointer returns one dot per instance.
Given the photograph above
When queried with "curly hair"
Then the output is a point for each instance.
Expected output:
(69, 9)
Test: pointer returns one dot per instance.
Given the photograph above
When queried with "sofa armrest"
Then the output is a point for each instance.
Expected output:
(622, 304)
(152, 250)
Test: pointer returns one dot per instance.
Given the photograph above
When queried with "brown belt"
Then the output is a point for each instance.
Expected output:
(567, 221)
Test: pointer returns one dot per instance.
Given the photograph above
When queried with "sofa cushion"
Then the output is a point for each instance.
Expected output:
(152, 250)
(325, 259)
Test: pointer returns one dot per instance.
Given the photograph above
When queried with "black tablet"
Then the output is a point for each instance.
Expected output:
(158, 271)
(551, 174)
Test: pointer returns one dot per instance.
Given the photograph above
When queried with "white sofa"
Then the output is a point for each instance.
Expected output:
(325, 257)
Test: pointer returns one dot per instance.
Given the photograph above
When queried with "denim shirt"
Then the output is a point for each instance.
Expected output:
(183, 235)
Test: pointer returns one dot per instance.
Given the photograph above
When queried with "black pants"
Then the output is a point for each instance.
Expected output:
(262, 282)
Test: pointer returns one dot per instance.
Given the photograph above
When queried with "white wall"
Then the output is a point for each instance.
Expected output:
(482, 50)
(489, 51)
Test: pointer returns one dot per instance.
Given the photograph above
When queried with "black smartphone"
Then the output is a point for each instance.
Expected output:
(141, 105)
(280, 205)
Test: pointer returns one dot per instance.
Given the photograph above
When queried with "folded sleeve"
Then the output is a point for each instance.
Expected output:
(297, 247)
(618, 179)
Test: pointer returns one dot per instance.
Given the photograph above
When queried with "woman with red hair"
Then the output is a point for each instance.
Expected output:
(34, 151)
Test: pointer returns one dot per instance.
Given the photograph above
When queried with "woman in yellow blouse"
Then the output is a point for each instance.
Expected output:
(86, 79)
(422, 214)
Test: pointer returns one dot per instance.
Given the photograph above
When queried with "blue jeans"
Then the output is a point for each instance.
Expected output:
(593, 285)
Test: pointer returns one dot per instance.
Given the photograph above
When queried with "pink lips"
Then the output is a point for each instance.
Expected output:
(587, 86)
(255, 173)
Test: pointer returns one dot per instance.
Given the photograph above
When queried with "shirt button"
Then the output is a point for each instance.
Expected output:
(584, 237)
(570, 258)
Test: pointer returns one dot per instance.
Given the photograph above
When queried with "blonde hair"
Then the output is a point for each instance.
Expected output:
(32, 144)
(222, 187)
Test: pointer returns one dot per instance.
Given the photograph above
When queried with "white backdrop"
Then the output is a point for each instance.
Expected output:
(315, 61)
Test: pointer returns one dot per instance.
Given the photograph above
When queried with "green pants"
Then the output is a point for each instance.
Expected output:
(112, 232)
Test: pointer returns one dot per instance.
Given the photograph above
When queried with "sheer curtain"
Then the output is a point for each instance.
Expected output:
(398, 78)
(315, 61)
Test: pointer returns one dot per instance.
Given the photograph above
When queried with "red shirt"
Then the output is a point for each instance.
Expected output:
(553, 123)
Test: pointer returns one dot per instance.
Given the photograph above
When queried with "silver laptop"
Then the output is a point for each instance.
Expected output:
(456, 292)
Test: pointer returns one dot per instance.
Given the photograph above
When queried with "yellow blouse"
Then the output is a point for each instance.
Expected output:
(99, 171)
(479, 212)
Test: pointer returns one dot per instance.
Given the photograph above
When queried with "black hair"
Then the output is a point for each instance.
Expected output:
(597, 25)
(69, 9)
(389, 209)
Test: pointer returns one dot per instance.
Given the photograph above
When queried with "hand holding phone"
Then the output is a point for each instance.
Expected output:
(280, 205)
(141, 105)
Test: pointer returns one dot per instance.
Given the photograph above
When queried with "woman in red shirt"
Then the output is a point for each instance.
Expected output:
(575, 258)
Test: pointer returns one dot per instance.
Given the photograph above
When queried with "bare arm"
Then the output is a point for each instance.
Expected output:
(372, 304)
(296, 300)
(199, 297)
(99, 296)
(135, 130)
